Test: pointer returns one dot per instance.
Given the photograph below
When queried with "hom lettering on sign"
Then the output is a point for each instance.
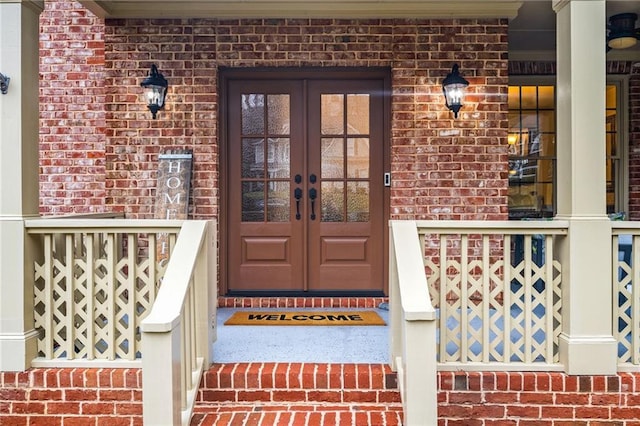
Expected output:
(172, 192)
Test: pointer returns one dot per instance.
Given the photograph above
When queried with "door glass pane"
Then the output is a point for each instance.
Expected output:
(278, 157)
(358, 158)
(252, 114)
(332, 114)
(278, 209)
(332, 158)
(252, 158)
(252, 201)
(278, 114)
(358, 202)
(358, 114)
(332, 194)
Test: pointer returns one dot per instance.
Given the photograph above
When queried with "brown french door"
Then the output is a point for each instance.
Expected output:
(305, 186)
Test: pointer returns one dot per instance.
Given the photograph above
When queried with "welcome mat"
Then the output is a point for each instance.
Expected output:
(305, 318)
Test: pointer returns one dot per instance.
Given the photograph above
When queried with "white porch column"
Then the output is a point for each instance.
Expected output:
(587, 345)
(19, 31)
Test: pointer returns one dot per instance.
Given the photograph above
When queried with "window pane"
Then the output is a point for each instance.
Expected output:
(358, 158)
(358, 201)
(278, 114)
(532, 150)
(252, 201)
(358, 114)
(278, 208)
(547, 145)
(514, 120)
(332, 194)
(278, 157)
(514, 98)
(252, 114)
(546, 99)
(332, 114)
(529, 98)
(547, 121)
(332, 158)
(529, 120)
(611, 97)
(252, 158)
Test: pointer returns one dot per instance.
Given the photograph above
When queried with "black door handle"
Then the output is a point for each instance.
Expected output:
(298, 195)
(313, 194)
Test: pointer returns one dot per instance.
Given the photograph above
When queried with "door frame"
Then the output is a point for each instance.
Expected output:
(227, 74)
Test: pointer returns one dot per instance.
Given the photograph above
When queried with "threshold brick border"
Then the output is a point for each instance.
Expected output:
(300, 302)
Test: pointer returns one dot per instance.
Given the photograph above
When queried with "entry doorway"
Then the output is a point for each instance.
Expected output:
(306, 205)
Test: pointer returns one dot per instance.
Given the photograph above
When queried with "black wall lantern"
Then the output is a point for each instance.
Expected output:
(454, 88)
(155, 90)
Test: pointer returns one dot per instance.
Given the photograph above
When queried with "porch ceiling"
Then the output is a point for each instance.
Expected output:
(303, 8)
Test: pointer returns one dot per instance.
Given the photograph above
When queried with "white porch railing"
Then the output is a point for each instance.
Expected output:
(497, 287)
(497, 290)
(626, 293)
(178, 334)
(413, 326)
(94, 282)
(98, 302)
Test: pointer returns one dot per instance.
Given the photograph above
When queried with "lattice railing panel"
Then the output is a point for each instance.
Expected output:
(93, 289)
(489, 313)
(626, 298)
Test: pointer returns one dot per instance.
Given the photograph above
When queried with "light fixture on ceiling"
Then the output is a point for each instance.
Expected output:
(4, 84)
(155, 90)
(454, 87)
(622, 31)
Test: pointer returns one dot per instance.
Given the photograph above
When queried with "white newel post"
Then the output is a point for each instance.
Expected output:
(587, 345)
(19, 32)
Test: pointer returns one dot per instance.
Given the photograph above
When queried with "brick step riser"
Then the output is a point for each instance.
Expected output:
(299, 382)
(306, 396)
(294, 415)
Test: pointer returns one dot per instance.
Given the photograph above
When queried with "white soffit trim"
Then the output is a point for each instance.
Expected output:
(349, 9)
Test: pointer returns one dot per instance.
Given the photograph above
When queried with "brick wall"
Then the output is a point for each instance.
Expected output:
(634, 147)
(99, 146)
(442, 168)
(72, 139)
(71, 397)
(540, 399)
(112, 397)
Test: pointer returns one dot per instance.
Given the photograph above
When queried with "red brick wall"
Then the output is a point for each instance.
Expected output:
(113, 397)
(99, 146)
(442, 168)
(634, 147)
(72, 139)
(71, 397)
(540, 399)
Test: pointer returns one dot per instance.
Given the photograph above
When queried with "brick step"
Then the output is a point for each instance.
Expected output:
(318, 414)
(298, 394)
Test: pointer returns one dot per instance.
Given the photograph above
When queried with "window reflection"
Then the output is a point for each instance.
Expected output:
(532, 151)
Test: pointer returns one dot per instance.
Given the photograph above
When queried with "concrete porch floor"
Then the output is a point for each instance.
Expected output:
(315, 344)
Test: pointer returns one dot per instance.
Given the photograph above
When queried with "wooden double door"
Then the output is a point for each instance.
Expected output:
(305, 185)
